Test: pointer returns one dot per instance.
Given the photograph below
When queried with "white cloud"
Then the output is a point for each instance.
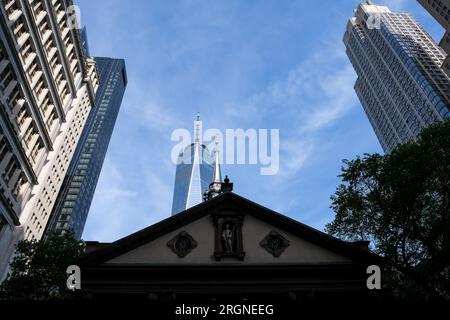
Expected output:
(134, 191)
(294, 155)
(396, 5)
(338, 98)
(109, 206)
(143, 106)
(155, 117)
(112, 182)
(178, 67)
(314, 95)
(159, 195)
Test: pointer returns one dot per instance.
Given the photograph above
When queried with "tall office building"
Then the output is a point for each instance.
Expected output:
(440, 10)
(195, 167)
(47, 88)
(75, 197)
(400, 82)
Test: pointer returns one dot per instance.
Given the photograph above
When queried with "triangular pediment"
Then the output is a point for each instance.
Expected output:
(227, 230)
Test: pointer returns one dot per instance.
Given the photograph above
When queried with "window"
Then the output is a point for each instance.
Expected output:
(2, 224)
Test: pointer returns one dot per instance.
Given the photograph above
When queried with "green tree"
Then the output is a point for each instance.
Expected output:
(401, 203)
(38, 271)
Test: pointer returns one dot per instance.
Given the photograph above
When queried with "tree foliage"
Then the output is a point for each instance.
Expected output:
(38, 271)
(401, 203)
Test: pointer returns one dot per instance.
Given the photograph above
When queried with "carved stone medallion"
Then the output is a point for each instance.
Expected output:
(182, 244)
(275, 243)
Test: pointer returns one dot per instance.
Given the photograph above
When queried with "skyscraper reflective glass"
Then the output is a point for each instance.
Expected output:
(400, 84)
(75, 197)
(85, 41)
(194, 172)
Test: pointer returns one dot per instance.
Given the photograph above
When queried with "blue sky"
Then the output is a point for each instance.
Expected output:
(242, 64)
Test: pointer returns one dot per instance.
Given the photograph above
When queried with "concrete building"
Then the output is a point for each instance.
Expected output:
(440, 10)
(400, 84)
(47, 88)
(75, 197)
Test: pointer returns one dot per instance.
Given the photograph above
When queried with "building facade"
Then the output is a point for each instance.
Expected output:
(75, 197)
(227, 249)
(440, 10)
(194, 172)
(47, 89)
(400, 83)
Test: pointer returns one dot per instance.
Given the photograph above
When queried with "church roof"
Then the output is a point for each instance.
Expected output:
(99, 253)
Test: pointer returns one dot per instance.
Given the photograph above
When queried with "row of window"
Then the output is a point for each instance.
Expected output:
(441, 8)
(381, 87)
(12, 176)
(19, 113)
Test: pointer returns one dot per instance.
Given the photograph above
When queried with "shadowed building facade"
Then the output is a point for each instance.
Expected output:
(75, 197)
(440, 10)
(226, 247)
(400, 83)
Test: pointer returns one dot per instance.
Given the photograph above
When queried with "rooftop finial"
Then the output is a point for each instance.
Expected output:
(215, 187)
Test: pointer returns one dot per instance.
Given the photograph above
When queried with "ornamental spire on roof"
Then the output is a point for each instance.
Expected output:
(215, 187)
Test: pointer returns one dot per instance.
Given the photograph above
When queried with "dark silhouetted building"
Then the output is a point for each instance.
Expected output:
(74, 200)
(227, 248)
(440, 10)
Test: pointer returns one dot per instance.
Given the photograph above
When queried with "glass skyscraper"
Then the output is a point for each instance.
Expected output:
(400, 84)
(84, 41)
(75, 197)
(194, 173)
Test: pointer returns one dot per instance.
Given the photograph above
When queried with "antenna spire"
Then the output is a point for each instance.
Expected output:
(198, 124)
(217, 178)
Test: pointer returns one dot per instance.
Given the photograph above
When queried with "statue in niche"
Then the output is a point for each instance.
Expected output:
(228, 237)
